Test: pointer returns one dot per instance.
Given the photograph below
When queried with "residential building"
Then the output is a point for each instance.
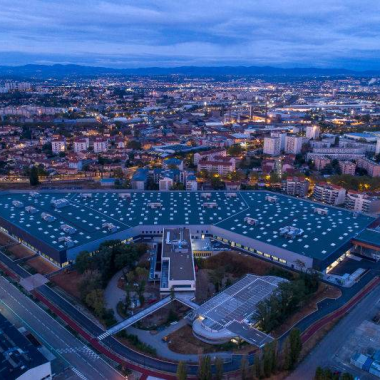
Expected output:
(173, 162)
(295, 186)
(191, 183)
(313, 132)
(81, 145)
(293, 144)
(330, 194)
(209, 154)
(320, 162)
(100, 145)
(282, 137)
(372, 167)
(218, 164)
(347, 167)
(377, 151)
(166, 181)
(361, 202)
(58, 146)
(272, 146)
(140, 179)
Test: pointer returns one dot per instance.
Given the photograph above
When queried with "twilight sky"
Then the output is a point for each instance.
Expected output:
(142, 33)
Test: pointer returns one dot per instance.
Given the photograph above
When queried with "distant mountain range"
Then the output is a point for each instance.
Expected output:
(62, 71)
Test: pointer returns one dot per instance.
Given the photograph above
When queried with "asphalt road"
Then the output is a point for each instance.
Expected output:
(324, 354)
(85, 362)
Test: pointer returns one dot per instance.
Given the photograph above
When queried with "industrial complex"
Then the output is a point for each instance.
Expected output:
(291, 231)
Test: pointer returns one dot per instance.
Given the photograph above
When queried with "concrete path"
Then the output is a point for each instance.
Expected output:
(113, 294)
(162, 347)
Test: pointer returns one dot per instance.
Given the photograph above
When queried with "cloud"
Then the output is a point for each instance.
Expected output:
(341, 33)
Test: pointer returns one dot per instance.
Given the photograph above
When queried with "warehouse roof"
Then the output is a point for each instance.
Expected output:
(94, 215)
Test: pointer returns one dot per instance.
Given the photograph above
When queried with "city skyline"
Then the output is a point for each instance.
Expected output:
(143, 34)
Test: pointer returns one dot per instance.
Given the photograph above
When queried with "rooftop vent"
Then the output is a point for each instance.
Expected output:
(110, 227)
(271, 198)
(47, 217)
(60, 203)
(17, 204)
(68, 229)
(66, 240)
(31, 209)
(125, 195)
(251, 221)
(34, 194)
(321, 211)
(290, 232)
(155, 205)
(210, 204)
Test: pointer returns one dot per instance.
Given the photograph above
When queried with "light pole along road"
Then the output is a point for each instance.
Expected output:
(84, 361)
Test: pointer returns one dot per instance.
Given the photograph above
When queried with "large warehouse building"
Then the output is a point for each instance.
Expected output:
(284, 229)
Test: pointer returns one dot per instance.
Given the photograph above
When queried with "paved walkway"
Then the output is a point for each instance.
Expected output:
(113, 294)
(162, 347)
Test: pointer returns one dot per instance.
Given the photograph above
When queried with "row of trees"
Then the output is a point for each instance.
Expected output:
(289, 296)
(267, 362)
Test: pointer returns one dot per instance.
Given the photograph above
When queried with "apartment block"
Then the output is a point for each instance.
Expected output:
(272, 146)
(295, 186)
(330, 194)
(362, 202)
(293, 144)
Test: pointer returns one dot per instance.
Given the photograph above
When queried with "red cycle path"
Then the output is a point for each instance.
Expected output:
(310, 331)
(95, 343)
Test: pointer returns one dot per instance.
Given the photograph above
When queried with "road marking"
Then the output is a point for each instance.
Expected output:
(79, 374)
(80, 355)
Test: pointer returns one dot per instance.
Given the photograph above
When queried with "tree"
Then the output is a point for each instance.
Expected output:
(83, 261)
(181, 371)
(293, 347)
(219, 369)
(346, 376)
(33, 176)
(235, 150)
(319, 374)
(204, 371)
(95, 300)
(133, 144)
(257, 367)
(244, 375)
(216, 182)
(270, 358)
(118, 173)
